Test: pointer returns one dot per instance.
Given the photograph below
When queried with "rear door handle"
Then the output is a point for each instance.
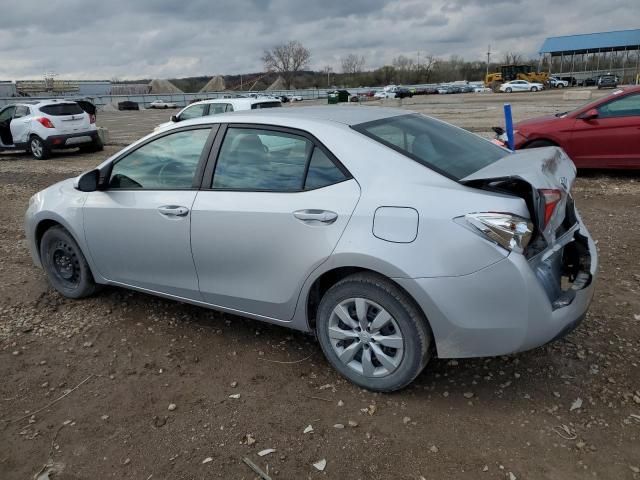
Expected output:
(173, 210)
(312, 216)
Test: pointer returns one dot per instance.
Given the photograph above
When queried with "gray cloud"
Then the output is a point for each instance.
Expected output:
(165, 38)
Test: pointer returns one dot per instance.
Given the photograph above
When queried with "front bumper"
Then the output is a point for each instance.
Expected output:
(72, 139)
(501, 309)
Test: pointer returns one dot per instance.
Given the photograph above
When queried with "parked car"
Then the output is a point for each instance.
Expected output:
(394, 91)
(40, 127)
(220, 105)
(607, 81)
(279, 215)
(601, 134)
(555, 82)
(482, 90)
(128, 105)
(162, 104)
(295, 98)
(446, 89)
(520, 86)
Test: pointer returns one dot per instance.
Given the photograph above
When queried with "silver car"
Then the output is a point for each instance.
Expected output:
(392, 236)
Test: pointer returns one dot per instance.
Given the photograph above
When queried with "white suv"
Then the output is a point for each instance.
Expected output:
(41, 126)
(215, 106)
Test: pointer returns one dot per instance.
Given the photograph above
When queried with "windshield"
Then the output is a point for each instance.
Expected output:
(444, 148)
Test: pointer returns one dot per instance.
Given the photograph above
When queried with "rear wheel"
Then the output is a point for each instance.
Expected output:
(560, 85)
(540, 143)
(534, 89)
(65, 265)
(372, 333)
(38, 148)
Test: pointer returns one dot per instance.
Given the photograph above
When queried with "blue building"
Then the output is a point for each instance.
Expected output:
(587, 56)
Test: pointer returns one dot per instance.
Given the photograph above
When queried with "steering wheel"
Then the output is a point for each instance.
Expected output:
(171, 167)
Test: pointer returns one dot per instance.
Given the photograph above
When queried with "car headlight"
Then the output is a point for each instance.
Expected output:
(510, 231)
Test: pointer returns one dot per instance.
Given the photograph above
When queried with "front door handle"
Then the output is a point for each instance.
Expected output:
(173, 210)
(312, 216)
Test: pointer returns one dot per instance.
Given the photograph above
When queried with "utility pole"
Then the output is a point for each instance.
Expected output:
(488, 58)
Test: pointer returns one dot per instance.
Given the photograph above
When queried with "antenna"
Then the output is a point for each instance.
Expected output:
(488, 58)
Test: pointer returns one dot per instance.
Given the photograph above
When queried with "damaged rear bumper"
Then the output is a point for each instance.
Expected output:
(513, 305)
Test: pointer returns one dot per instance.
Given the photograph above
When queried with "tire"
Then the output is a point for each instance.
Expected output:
(65, 265)
(96, 146)
(560, 85)
(374, 295)
(38, 148)
(540, 144)
(508, 90)
(534, 89)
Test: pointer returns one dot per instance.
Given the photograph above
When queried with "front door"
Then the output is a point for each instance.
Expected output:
(612, 139)
(275, 210)
(6, 115)
(137, 229)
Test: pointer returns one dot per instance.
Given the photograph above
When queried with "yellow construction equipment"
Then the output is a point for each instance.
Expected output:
(515, 72)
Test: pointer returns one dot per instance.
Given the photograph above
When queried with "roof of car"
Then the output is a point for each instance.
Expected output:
(347, 115)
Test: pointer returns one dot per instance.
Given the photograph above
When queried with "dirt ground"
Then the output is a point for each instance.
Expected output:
(87, 385)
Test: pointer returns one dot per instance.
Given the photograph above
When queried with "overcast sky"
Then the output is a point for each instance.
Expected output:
(97, 39)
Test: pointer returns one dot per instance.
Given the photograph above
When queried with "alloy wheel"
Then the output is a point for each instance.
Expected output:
(365, 337)
(36, 147)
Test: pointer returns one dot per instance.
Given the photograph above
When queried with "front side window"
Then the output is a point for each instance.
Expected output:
(444, 148)
(255, 159)
(167, 163)
(7, 113)
(621, 107)
(194, 111)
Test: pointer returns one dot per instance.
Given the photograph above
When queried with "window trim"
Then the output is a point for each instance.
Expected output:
(198, 174)
(617, 99)
(209, 171)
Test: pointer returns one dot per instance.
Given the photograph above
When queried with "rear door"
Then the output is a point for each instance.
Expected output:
(272, 212)
(68, 117)
(21, 124)
(612, 139)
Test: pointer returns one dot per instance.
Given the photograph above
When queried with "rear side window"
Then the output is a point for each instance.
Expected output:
(322, 171)
(216, 108)
(444, 148)
(21, 111)
(193, 112)
(62, 109)
(257, 106)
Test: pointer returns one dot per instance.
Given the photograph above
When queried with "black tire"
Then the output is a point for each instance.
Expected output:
(560, 85)
(534, 89)
(540, 144)
(96, 146)
(38, 148)
(65, 265)
(409, 319)
(508, 90)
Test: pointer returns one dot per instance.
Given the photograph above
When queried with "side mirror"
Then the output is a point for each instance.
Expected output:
(174, 118)
(589, 114)
(88, 182)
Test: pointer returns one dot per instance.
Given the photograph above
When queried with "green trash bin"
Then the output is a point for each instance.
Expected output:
(332, 99)
(343, 96)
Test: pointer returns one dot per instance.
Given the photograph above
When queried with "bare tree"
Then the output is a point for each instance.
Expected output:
(352, 64)
(425, 68)
(512, 58)
(403, 67)
(287, 59)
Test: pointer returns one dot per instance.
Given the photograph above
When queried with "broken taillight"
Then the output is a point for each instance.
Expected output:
(551, 198)
(45, 122)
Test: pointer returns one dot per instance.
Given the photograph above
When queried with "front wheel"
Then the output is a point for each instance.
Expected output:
(372, 333)
(534, 89)
(65, 265)
(38, 149)
(561, 85)
(508, 90)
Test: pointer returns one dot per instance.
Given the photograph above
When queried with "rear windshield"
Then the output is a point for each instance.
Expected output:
(62, 109)
(444, 148)
(257, 106)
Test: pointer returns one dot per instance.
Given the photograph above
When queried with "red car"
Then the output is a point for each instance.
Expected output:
(601, 134)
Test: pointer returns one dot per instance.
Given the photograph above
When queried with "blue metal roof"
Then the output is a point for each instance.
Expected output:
(592, 41)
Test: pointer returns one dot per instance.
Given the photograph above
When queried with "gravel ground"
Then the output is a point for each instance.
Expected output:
(125, 385)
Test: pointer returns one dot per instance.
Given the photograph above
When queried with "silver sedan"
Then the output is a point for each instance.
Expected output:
(391, 236)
